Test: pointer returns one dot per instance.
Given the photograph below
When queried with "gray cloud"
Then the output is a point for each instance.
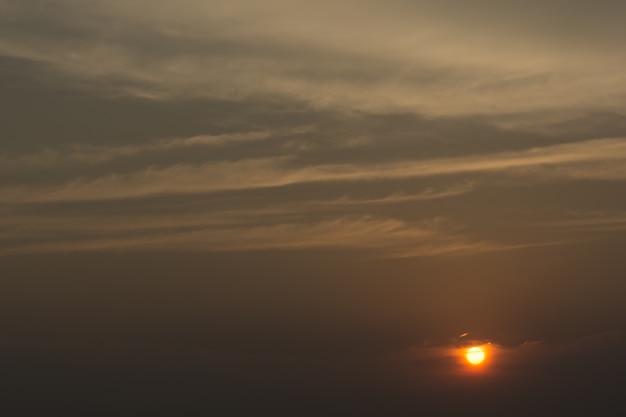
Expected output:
(287, 116)
(602, 158)
(388, 236)
(93, 154)
(489, 59)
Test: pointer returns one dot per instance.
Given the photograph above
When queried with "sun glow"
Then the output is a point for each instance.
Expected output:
(475, 355)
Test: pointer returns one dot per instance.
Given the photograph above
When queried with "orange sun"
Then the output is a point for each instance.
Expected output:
(475, 355)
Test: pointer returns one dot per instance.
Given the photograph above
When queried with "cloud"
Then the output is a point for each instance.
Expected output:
(232, 226)
(388, 237)
(415, 57)
(94, 154)
(428, 194)
(402, 62)
(593, 222)
(594, 159)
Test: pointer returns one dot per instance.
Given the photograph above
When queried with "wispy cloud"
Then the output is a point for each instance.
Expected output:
(413, 57)
(295, 224)
(601, 158)
(428, 194)
(15, 224)
(93, 154)
(593, 222)
(388, 237)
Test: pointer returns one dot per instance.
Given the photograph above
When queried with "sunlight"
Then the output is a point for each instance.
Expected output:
(475, 355)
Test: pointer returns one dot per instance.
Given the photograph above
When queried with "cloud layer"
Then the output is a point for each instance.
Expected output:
(433, 57)
(248, 126)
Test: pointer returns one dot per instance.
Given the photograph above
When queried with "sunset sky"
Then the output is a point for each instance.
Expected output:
(312, 208)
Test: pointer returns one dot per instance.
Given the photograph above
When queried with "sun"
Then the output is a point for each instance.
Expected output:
(475, 355)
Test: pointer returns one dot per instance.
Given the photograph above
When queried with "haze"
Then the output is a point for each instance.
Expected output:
(308, 208)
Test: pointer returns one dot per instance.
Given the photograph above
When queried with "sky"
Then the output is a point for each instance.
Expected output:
(312, 208)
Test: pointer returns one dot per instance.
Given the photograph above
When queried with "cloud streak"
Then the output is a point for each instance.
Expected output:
(93, 154)
(388, 237)
(594, 159)
(594, 222)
